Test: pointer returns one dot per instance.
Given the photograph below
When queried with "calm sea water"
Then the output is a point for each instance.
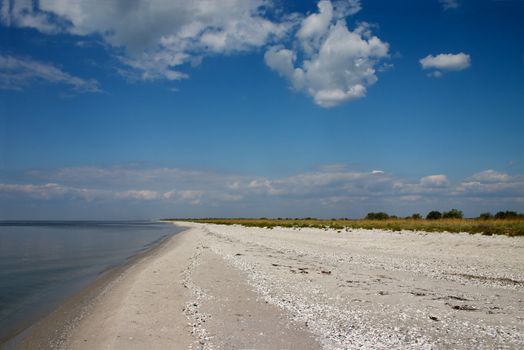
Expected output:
(43, 263)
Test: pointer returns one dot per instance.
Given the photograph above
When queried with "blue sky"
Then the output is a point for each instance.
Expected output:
(260, 108)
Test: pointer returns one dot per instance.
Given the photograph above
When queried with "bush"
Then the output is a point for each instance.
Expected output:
(506, 215)
(434, 215)
(416, 216)
(486, 216)
(453, 214)
(377, 216)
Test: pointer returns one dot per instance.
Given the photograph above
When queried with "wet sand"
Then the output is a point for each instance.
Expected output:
(50, 331)
(231, 287)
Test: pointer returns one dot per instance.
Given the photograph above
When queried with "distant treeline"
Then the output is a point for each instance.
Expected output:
(502, 223)
(451, 214)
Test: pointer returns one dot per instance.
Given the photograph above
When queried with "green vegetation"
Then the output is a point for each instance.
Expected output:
(415, 216)
(453, 214)
(377, 216)
(434, 215)
(486, 216)
(454, 222)
(507, 215)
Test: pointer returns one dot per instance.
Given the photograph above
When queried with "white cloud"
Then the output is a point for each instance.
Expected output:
(261, 186)
(446, 61)
(331, 187)
(51, 191)
(282, 60)
(337, 64)
(198, 187)
(315, 26)
(139, 195)
(490, 175)
(449, 4)
(509, 189)
(345, 8)
(16, 73)
(434, 181)
(59, 191)
(324, 183)
(158, 36)
(21, 13)
(492, 183)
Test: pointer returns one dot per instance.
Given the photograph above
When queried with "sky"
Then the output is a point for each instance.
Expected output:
(147, 109)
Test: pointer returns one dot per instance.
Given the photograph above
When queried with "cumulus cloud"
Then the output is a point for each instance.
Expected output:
(315, 26)
(16, 73)
(449, 4)
(158, 36)
(156, 39)
(445, 62)
(328, 61)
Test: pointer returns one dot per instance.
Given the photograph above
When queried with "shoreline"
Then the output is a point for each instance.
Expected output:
(163, 303)
(50, 327)
(216, 286)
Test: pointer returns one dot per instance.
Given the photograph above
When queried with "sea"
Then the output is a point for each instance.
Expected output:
(43, 263)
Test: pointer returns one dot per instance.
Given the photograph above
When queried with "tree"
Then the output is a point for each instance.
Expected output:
(486, 216)
(453, 214)
(506, 215)
(416, 216)
(377, 216)
(434, 215)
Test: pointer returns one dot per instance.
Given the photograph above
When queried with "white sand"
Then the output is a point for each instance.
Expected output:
(231, 287)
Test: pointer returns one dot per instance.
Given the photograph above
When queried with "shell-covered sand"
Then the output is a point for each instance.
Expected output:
(232, 287)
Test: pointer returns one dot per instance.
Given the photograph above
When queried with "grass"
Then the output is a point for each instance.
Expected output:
(508, 227)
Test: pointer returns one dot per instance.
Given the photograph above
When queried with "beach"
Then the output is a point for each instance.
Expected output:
(233, 287)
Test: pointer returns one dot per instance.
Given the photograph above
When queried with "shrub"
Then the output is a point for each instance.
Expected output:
(416, 216)
(453, 214)
(486, 216)
(434, 215)
(506, 215)
(377, 216)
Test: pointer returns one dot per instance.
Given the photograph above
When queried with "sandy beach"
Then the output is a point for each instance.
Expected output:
(232, 287)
